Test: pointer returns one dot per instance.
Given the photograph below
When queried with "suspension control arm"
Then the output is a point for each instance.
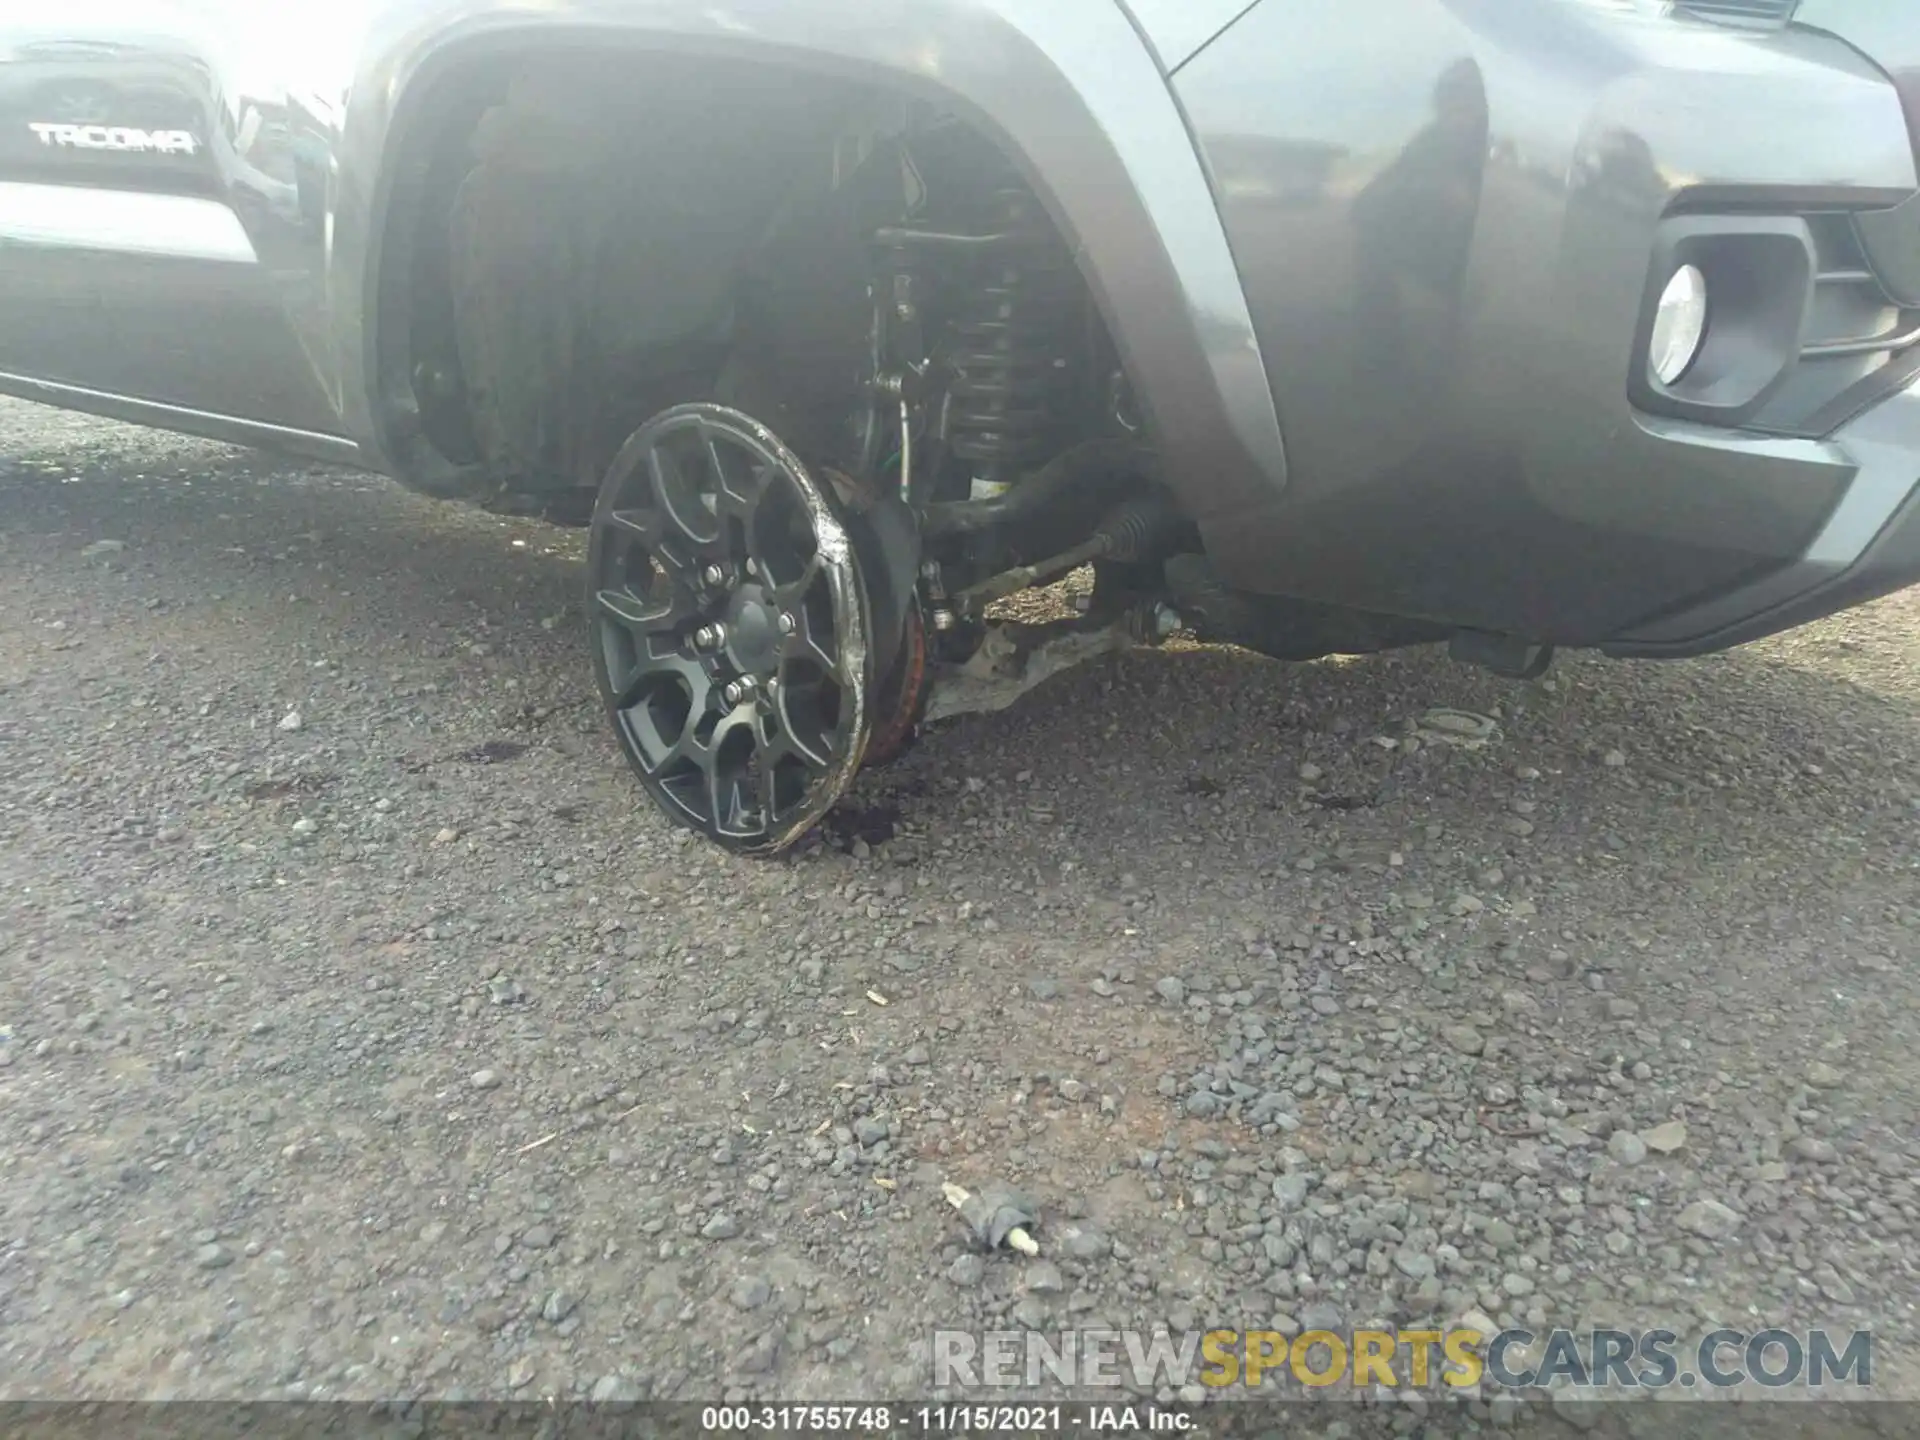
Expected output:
(1092, 460)
(1131, 532)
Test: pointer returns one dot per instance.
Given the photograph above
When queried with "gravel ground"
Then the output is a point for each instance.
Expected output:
(363, 1034)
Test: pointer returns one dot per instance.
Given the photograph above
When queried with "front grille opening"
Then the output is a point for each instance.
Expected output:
(1859, 344)
(1760, 14)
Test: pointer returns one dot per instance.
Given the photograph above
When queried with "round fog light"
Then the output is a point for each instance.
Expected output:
(1679, 325)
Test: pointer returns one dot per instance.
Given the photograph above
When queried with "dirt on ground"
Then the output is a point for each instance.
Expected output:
(364, 1033)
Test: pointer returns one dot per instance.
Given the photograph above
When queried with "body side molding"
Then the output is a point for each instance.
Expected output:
(230, 429)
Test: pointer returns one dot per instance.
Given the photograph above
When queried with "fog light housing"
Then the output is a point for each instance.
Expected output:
(1679, 325)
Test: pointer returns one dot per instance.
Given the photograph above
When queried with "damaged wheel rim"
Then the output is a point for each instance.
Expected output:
(729, 628)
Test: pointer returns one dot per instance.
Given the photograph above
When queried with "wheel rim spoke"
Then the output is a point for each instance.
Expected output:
(806, 649)
(645, 620)
(724, 779)
(733, 495)
(640, 526)
(803, 647)
(655, 667)
(654, 534)
(681, 504)
(794, 592)
(793, 742)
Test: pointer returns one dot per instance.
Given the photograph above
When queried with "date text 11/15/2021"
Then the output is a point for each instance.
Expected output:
(1108, 1419)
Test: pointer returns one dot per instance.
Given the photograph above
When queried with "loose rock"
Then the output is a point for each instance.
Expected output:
(1626, 1147)
(1665, 1138)
(750, 1292)
(1709, 1219)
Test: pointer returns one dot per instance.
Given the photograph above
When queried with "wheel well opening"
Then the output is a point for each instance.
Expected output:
(579, 239)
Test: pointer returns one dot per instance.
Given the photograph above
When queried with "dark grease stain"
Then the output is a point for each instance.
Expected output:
(875, 824)
(494, 752)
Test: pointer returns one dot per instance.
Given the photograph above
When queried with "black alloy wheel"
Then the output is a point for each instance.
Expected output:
(729, 628)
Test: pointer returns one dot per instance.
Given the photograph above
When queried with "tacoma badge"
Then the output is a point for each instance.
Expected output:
(122, 138)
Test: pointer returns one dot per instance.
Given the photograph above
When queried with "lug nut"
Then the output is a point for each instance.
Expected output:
(787, 624)
(753, 566)
(714, 575)
(735, 693)
(710, 637)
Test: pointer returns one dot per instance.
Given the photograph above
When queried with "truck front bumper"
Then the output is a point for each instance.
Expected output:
(1869, 543)
(1868, 547)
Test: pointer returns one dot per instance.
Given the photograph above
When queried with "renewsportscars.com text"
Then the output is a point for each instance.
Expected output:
(1461, 1358)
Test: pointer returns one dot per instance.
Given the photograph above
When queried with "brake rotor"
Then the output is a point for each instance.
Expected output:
(902, 697)
(730, 628)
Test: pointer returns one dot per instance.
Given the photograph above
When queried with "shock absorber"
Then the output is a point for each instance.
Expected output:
(1013, 325)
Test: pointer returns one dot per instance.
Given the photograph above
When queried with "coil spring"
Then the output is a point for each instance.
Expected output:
(1010, 342)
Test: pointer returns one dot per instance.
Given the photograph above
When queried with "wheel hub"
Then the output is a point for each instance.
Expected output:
(753, 633)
